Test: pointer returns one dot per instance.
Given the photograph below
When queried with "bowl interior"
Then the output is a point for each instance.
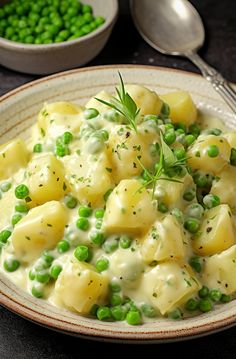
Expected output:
(19, 111)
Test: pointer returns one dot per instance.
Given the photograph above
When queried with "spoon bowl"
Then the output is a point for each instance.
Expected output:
(159, 24)
(174, 27)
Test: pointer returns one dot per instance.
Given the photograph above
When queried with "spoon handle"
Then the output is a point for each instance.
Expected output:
(216, 79)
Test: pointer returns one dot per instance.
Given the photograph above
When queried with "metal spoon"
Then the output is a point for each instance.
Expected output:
(174, 27)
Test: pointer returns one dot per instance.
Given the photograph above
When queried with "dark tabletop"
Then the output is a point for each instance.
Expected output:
(22, 339)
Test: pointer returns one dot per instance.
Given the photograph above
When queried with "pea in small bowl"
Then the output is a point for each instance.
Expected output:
(50, 58)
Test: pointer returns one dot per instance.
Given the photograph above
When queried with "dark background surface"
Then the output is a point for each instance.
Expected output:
(22, 339)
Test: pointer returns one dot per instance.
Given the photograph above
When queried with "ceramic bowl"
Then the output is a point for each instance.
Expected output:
(19, 110)
(51, 58)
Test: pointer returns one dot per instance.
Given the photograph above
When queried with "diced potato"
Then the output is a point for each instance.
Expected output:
(79, 287)
(13, 156)
(148, 101)
(168, 285)
(216, 232)
(225, 186)
(46, 180)
(124, 149)
(93, 103)
(231, 138)
(171, 193)
(50, 112)
(129, 209)
(89, 177)
(199, 158)
(182, 107)
(164, 241)
(220, 271)
(127, 265)
(40, 229)
(7, 207)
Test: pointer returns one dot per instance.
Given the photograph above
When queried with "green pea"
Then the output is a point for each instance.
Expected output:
(103, 313)
(205, 305)
(125, 241)
(29, 39)
(87, 8)
(215, 131)
(114, 287)
(195, 263)
(63, 246)
(98, 224)
(81, 253)
(118, 313)
(99, 213)
(203, 292)
(189, 139)
(148, 311)
(192, 225)
(215, 295)
(70, 201)
(97, 238)
(82, 224)
(194, 129)
(162, 207)
(133, 317)
(189, 195)
(225, 298)
(99, 20)
(4, 235)
(191, 305)
(21, 191)
(22, 24)
(37, 292)
(32, 274)
(178, 215)
(233, 157)
(90, 113)
(180, 153)
(16, 218)
(213, 151)
(200, 179)
(42, 277)
(170, 137)
(110, 245)
(85, 211)
(115, 299)
(55, 271)
(67, 137)
(102, 264)
(5, 186)
(11, 265)
(47, 257)
(195, 210)
(211, 201)
(37, 148)
(175, 314)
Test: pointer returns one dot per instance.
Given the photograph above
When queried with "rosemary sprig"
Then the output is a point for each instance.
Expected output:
(124, 104)
(166, 162)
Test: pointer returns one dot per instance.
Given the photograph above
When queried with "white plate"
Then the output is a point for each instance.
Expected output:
(19, 110)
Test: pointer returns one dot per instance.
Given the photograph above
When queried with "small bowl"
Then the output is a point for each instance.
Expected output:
(51, 58)
(19, 110)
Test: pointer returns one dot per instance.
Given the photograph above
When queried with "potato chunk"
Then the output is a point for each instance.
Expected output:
(164, 241)
(148, 101)
(124, 149)
(171, 193)
(93, 103)
(168, 285)
(51, 112)
(13, 156)
(225, 186)
(40, 229)
(216, 232)
(129, 209)
(46, 180)
(79, 287)
(220, 271)
(89, 177)
(199, 158)
(182, 107)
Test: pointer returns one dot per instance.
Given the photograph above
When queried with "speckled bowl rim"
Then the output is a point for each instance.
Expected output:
(12, 45)
(210, 323)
